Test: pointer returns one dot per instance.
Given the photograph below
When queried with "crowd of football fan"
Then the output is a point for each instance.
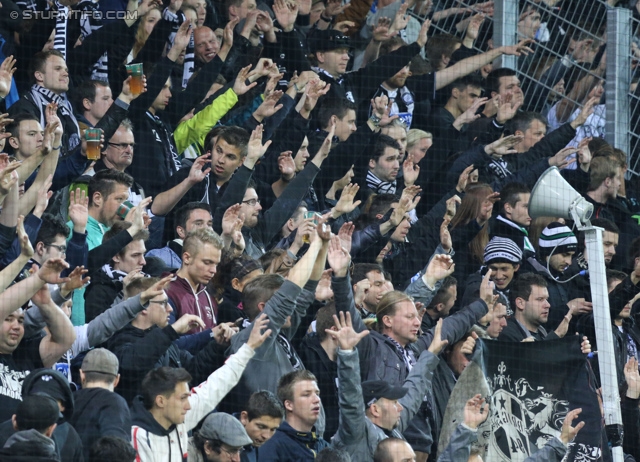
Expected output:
(304, 216)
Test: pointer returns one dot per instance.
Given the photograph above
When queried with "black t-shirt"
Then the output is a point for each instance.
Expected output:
(13, 369)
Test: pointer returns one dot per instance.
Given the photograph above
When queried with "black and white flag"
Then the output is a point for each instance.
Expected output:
(531, 387)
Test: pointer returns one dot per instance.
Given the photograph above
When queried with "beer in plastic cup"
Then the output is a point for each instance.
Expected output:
(135, 84)
(92, 137)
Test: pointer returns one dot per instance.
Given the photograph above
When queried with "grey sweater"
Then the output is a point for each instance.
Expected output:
(356, 433)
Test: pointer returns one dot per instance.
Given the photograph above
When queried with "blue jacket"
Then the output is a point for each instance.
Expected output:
(290, 445)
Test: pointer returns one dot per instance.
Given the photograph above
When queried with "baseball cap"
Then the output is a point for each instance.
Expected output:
(226, 428)
(373, 390)
(100, 360)
(327, 40)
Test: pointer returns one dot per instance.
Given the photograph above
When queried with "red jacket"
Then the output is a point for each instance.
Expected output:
(185, 301)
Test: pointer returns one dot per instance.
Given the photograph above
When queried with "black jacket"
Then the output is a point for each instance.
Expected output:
(103, 291)
(100, 412)
(139, 351)
(317, 361)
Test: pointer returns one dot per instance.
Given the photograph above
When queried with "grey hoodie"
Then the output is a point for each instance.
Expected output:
(29, 445)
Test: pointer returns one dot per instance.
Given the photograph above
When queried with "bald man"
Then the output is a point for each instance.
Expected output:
(394, 450)
(206, 44)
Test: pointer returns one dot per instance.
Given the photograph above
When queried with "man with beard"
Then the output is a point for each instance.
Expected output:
(556, 248)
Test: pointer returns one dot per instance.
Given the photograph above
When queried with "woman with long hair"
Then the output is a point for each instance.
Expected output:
(470, 228)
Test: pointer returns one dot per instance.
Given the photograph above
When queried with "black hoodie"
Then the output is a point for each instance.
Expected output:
(100, 412)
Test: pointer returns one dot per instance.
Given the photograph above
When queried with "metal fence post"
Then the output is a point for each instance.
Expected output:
(505, 30)
(618, 78)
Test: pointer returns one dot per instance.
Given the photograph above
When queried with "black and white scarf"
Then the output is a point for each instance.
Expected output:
(171, 160)
(380, 187)
(405, 353)
(41, 97)
(189, 56)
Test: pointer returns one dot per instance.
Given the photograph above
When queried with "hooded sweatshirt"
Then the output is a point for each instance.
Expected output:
(29, 446)
(154, 443)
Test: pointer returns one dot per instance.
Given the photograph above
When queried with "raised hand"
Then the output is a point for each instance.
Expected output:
(486, 288)
(286, 14)
(269, 106)
(324, 291)
(4, 121)
(381, 32)
(469, 344)
(452, 206)
(463, 180)
(53, 128)
(362, 288)
(437, 344)
(155, 290)
(338, 257)
(507, 108)
(8, 174)
(222, 333)
(286, 166)
(346, 204)
(79, 210)
(136, 216)
(324, 150)
(197, 172)
(334, 8)
(521, 48)
(470, 114)
(186, 323)
(313, 91)
(503, 146)
(44, 195)
(231, 216)
(7, 69)
(584, 114)
(445, 236)
(561, 159)
(410, 170)
(346, 337)
(182, 37)
(26, 249)
(345, 234)
(400, 20)
(240, 86)
(580, 306)
(344, 181)
(255, 148)
(632, 377)
(439, 268)
(568, 433)
(257, 337)
(476, 412)
(50, 271)
(76, 280)
(422, 35)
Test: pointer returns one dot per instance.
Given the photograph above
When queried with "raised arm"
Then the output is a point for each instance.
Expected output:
(472, 64)
(9, 273)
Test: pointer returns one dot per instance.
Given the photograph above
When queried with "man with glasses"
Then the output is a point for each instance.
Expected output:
(149, 341)
(118, 156)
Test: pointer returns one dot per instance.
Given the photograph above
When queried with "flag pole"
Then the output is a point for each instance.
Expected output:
(604, 338)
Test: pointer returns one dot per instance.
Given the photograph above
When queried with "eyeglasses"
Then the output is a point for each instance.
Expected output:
(122, 146)
(232, 452)
(252, 202)
(61, 248)
(164, 303)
